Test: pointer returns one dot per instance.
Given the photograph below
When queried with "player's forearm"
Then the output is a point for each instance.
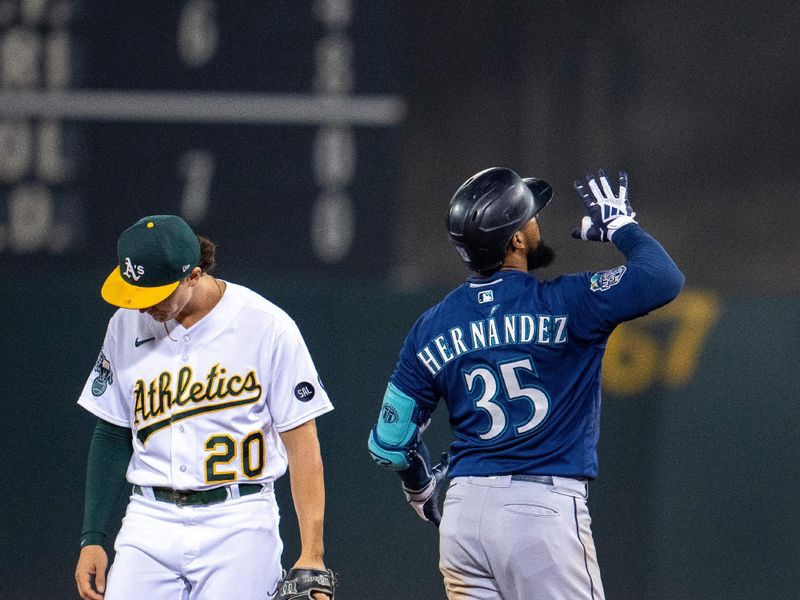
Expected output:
(658, 278)
(306, 476)
(308, 492)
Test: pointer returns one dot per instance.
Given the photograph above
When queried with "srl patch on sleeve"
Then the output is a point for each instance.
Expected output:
(604, 280)
(304, 391)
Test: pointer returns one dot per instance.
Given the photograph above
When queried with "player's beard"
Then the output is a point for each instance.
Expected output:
(540, 257)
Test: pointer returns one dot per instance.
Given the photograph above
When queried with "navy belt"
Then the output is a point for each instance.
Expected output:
(545, 479)
(198, 497)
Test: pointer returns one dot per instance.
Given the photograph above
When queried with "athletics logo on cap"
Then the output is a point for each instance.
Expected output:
(154, 255)
(133, 271)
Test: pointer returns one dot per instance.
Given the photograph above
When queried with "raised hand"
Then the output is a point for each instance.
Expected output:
(607, 211)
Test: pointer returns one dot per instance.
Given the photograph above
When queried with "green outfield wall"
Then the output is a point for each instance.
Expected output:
(699, 445)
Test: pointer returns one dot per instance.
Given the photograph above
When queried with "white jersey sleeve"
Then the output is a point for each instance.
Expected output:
(101, 394)
(295, 393)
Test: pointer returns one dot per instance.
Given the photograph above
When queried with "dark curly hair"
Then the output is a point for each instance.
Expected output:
(208, 254)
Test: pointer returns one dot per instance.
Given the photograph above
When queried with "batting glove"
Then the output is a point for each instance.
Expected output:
(426, 501)
(607, 212)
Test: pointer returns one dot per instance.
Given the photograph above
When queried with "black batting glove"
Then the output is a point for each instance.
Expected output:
(426, 501)
(607, 211)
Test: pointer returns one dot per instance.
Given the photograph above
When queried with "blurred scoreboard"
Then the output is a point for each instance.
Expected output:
(271, 126)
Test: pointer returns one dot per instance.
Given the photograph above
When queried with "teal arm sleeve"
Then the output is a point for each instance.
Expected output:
(396, 430)
(396, 442)
(109, 455)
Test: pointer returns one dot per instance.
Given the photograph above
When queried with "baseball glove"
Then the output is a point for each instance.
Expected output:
(299, 584)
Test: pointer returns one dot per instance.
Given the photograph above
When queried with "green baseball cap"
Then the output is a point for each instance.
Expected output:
(154, 254)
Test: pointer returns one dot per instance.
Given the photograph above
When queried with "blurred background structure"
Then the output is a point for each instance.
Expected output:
(318, 143)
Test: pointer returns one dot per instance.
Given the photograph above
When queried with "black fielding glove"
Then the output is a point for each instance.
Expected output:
(299, 584)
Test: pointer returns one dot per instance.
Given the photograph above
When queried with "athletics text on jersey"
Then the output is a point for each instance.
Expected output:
(206, 410)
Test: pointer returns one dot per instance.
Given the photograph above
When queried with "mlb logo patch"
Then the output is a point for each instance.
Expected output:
(485, 296)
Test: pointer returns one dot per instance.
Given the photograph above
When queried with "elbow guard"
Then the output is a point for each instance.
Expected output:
(394, 439)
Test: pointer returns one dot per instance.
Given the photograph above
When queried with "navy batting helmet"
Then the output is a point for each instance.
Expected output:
(488, 209)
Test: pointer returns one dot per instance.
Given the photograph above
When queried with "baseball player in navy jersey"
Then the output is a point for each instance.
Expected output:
(204, 393)
(517, 362)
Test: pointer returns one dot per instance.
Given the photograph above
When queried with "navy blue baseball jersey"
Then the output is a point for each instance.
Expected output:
(518, 360)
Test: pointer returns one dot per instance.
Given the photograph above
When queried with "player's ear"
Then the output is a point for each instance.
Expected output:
(194, 276)
(517, 242)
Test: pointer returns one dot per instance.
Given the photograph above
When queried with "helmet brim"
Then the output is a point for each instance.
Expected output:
(541, 190)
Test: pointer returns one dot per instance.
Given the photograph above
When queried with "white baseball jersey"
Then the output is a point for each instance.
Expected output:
(206, 404)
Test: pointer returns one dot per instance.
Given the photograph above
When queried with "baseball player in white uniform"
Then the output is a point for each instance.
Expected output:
(204, 393)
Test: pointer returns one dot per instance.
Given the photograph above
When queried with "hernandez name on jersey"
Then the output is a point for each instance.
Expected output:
(518, 363)
(205, 410)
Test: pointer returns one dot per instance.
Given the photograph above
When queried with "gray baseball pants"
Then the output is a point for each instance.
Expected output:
(506, 539)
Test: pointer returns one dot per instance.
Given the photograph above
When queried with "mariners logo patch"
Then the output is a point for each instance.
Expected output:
(485, 296)
(104, 375)
(604, 280)
(304, 391)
